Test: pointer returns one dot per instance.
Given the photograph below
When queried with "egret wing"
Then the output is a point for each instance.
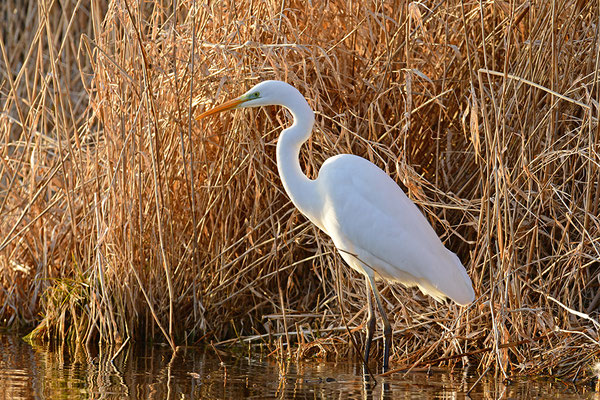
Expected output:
(367, 214)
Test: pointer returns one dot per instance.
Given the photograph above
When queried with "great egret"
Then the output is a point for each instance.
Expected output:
(375, 226)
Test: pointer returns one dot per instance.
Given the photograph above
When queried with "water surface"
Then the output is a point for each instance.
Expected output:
(154, 372)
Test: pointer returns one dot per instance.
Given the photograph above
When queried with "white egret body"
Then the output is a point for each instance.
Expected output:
(378, 230)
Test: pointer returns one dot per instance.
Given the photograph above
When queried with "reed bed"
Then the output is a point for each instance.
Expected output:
(123, 218)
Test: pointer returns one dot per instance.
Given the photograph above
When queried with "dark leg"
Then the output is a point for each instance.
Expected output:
(387, 328)
(371, 324)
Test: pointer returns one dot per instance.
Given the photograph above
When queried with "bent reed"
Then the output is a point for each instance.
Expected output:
(121, 217)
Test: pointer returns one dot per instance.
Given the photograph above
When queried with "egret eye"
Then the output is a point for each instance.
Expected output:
(256, 95)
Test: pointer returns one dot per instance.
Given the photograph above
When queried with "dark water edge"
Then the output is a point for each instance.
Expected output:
(154, 372)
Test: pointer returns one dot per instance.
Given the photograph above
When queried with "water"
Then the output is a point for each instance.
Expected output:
(153, 372)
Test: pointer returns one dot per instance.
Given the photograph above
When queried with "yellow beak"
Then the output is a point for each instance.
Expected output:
(231, 104)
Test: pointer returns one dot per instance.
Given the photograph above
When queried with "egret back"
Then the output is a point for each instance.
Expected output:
(368, 215)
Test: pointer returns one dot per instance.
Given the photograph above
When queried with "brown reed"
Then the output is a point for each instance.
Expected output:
(122, 217)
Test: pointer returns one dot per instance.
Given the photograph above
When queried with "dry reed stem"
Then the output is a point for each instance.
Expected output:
(121, 217)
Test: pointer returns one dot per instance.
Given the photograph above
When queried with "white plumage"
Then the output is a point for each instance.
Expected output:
(366, 213)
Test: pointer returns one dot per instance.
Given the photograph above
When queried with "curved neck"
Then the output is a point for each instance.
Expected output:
(298, 186)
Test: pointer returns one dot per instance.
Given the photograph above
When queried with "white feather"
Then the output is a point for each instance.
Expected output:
(367, 214)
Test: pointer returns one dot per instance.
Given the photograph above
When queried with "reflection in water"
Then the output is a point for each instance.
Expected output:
(153, 372)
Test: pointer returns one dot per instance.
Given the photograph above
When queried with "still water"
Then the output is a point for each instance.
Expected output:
(154, 372)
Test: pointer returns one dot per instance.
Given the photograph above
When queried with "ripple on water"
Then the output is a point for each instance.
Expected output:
(153, 372)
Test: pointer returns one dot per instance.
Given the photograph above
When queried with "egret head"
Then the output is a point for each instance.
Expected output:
(266, 93)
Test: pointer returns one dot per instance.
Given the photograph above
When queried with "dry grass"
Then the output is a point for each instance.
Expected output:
(121, 217)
